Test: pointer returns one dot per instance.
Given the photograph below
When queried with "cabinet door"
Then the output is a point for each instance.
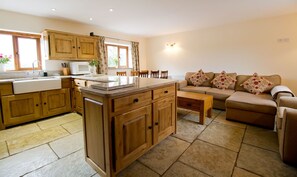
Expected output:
(86, 48)
(55, 102)
(21, 108)
(62, 46)
(133, 135)
(164, 118)
(78, 100)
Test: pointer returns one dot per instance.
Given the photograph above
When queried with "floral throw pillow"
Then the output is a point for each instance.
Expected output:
(223, 81)
(198, 78)
(256, 84)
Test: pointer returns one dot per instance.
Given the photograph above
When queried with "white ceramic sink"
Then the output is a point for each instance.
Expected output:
(27, 85)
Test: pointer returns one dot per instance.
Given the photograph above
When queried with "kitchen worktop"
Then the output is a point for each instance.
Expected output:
(138, 84)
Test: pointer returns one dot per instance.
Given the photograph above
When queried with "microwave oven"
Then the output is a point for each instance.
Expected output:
(77, 68)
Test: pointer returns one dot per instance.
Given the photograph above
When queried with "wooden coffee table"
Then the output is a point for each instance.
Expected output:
(195, 102)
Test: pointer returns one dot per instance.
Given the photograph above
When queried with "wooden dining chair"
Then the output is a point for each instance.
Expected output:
(144, 73)
(164, 74)
(121, 73)
(134, 73)
(155, 74)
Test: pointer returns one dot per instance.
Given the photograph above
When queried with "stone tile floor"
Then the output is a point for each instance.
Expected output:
(54, 148)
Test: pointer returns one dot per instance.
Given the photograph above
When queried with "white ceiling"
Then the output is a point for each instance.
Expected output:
(153, 17)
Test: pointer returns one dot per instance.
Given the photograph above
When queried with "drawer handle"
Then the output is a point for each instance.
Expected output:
(166, 91)
(157, 123)
(37, 105)
(44, 103)
(135, 100)
(73, 47)
(188, 104)
(150, 127)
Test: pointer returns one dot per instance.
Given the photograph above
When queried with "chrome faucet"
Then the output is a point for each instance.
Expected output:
(33, 66)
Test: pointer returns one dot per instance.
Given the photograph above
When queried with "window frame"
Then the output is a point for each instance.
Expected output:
(119, 47)
(15, 37)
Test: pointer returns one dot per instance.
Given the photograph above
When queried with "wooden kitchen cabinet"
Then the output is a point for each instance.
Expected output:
(55, 102)
(133, 135)
(120, 129)
(21, 108)
(67, 46)
(77, 101)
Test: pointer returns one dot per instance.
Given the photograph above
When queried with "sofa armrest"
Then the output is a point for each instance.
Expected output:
(181, 84)
(287, 141)
(290, 102)
(282, 95)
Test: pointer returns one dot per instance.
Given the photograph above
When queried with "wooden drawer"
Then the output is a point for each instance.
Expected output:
(188, 104)
(132, 101)
(6, 89)
(163, 92)
(79, 82)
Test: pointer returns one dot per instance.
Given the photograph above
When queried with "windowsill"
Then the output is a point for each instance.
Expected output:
(119, 68)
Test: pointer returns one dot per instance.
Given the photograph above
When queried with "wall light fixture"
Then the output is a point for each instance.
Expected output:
(170, 44)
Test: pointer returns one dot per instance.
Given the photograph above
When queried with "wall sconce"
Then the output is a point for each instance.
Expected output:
(170, 44)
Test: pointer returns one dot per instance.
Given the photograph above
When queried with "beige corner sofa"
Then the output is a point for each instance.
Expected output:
(239, 104)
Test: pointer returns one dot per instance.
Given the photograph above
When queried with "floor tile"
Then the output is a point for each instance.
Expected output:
(182, 112)
(210, 159)
(188, 130)
(221, 118)
(194, 116)
(238, 172)
(260, 137)
(216, 112)
(135, 169)
(164, 154)
(53, 122)
(179, 169)
(223, 135)
(68, 144)
(74, 126)
(69, 166)
(19, 131)
(3, 150)
(96, 175)
(35, 139)
(27, 161)
(263, 162)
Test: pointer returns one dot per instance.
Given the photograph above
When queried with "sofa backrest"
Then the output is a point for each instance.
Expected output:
(205, 84)
(275, 79)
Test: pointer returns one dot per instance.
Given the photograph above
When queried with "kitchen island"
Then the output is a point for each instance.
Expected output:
(123, 117)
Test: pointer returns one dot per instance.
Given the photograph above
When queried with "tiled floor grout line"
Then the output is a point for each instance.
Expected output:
(53, 150)
(193, 167)
(237, 155)
(260, 147)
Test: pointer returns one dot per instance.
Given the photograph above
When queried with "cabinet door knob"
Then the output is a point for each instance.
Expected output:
(150, 127)
(37, 105)
(135, 100)
(44, 103)
(156, 123)
(166, 91)
(73, 47)
(78, 47)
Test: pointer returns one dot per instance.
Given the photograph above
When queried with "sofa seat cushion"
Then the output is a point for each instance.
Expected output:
(262, 103)
(219, 94)
(280, 115)
(195, 89)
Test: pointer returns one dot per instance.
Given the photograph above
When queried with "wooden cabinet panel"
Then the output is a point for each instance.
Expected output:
(132, 101)
(62, 46)
(164, 118)
(79, 82)
(78, 100)
(21, 108)
(163, 92)
(6, 89)
(87, 48)
(55, 102)
(133, 135)
(94, 133)
(66, 83)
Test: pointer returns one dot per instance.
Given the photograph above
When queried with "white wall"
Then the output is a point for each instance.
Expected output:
(267, 46)
(34, 24)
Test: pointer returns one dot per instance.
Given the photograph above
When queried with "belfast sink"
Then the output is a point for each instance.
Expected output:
(27, 85)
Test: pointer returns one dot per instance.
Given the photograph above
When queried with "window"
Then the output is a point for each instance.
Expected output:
(117, 56)
(23, 48)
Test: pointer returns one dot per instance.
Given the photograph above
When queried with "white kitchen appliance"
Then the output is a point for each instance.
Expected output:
(77, 68)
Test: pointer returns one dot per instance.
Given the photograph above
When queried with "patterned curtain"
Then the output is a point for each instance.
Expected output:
(103, 67)
(135, 56)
